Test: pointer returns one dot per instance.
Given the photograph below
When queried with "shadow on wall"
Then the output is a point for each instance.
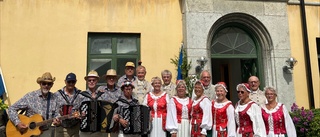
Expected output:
(287, 74)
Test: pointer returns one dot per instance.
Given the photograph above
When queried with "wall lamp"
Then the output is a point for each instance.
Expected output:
(291, 62)
(201, 61)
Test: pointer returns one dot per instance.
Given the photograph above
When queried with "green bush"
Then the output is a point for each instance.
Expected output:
(3, 106)
(315, 124)
(306, 122)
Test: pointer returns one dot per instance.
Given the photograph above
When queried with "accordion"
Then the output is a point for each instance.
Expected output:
(98, 116)
(138, 117)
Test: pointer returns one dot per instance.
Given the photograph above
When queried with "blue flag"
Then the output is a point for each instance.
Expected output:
(2, 85)
(179, 75)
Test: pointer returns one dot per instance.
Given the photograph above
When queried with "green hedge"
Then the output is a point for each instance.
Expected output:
(315, 124)
(307, 122)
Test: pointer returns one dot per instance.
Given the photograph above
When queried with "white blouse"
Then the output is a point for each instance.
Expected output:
(172, 121)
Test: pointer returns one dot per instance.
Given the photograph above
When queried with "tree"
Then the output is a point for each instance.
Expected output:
(185, 67)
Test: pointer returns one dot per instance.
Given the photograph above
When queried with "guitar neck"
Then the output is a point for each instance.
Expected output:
(45, 122)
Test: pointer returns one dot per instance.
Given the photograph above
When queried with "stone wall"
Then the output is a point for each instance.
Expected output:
(199, 17)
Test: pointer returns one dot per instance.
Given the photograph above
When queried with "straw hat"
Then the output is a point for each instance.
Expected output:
(92, 73)
(46, 77)
(130, 64)
(110, 73)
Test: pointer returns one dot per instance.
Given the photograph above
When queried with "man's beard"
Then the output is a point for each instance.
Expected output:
(45, 91)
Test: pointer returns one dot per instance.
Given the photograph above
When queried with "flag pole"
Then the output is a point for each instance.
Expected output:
(180, 60)
(4, 84)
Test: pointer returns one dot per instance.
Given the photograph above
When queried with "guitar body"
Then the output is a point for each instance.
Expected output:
(30, 122)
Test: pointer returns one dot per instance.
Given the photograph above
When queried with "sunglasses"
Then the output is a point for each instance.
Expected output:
(71, 82)
(242, 92)
(91, 80)
(129, 68)
(46, 84)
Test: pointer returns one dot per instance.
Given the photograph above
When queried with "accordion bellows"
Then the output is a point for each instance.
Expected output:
(98, 116)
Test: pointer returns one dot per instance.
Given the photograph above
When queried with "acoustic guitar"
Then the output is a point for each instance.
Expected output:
(33, 123)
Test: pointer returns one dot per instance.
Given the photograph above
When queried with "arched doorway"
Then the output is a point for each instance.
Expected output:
(237, 43)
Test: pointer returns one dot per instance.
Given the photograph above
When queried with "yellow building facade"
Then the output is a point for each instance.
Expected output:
(39, 36)
(312, 13)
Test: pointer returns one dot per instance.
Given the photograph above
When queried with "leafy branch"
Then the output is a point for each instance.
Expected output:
(3, 106)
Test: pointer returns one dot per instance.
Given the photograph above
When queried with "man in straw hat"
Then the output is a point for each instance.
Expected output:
(92, 80)
(69, 101)
(89, 95)
(111, 91)
(40, 101)
(129, 74)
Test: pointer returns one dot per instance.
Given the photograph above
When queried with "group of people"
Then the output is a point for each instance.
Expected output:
(256, 114)
(207, 113)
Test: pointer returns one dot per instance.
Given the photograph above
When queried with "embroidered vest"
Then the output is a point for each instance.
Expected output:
(179, 109)
(245, 127)
(196, 119)
(220, 118)
(277, 119)
(161, 109)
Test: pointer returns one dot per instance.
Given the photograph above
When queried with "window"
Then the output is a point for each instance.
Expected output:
(233, 42)
(236, 43)
(112, 50)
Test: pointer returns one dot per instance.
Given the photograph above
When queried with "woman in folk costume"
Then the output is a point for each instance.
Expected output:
(222, 113)
(201, 117)
(248, 115)
(157, 101)
(178, 114)
(276, 117)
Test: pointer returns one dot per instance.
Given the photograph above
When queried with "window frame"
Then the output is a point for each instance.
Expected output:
(114, 56)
